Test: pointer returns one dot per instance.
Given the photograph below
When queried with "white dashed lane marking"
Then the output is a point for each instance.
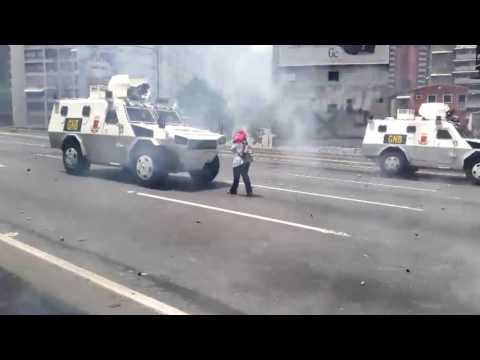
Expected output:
(49, 156)
(364, 183)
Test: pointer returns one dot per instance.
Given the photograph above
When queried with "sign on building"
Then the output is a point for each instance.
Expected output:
(316, 55)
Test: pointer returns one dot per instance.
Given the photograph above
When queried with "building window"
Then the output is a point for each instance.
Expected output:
(64, 111)
(432, 98)
(66, 66)
(33, 54)
(332, 108)
(418, 97)
(333, 76)
(51, 53)
(51, 67)
(35, 106)
(447, 99)
(462, 98)
(289, 77)
(34, 67)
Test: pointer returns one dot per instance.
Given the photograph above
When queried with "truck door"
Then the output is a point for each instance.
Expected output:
(110, 137)
(446, 147)
(103, 133)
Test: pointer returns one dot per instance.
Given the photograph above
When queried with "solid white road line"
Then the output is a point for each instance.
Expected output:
(364, 183)
(238, 213)
(48, 156)
(119, 289)
(44, 137)
(376, 203)
(22, 143)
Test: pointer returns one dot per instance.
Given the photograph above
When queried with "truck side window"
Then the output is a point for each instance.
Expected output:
(111, 117)
(64, 111)
(86, 111)
(411, 129)
(382, 128)
(443, 134)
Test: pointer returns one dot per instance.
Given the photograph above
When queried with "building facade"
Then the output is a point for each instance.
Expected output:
(40, 74)
(336, 88)
(458, 65)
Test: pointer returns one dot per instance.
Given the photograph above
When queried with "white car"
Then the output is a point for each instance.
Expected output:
(116, 126)
(428, 141)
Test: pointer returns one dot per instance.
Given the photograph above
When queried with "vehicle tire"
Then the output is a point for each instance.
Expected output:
(74, 161)
(208, 173)
(352, 49)
(473, 171)
(147, 168)
(393, 163)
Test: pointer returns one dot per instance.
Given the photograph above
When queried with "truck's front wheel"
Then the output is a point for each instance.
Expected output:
(473, 172)
(208, 173)
(148, 170)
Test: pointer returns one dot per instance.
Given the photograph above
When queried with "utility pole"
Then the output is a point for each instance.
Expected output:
(157, 67)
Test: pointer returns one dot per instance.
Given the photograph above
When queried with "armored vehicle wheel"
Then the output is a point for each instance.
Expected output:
(208, 173)
(147, 169)
(393, 163)
(74, 161)
(473, 171)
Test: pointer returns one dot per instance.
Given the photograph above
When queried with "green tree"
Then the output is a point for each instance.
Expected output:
(205, 105)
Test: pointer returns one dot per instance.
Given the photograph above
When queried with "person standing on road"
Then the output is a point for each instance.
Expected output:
(242, 159)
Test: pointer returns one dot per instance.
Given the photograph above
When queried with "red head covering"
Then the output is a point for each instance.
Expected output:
(240, 136)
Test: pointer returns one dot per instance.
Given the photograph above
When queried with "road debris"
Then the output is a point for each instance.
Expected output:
(28, 169)
(363, 283)
(61, 238)
(28, 218)
(198, 222)
(142, 273)
(365, 255)
(81, 240)
(416, 235)
(407, 270)
(115, 306)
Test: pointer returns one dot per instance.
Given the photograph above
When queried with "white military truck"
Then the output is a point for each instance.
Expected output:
(431, 140)
(117, 126)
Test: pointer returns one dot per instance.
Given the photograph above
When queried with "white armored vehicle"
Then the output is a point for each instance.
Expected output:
(117, 126)
(431, 140)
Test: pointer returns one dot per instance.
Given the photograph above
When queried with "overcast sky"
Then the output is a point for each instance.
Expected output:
(261, 48)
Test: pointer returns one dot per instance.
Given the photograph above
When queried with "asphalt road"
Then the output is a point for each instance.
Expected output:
(321, 237)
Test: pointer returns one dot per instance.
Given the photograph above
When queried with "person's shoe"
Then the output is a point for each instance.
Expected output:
(250, 194)
(231, 193)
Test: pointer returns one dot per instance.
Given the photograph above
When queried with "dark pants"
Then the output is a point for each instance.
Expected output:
(238, 171)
